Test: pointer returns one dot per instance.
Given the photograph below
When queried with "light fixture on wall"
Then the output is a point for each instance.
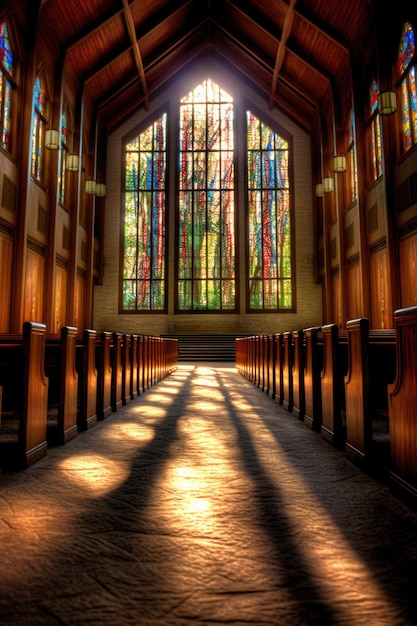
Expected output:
(52, 139)
(73, 162)
(339, 163)
(387, 102)
(100, 190)
(90, 186)
(319, 190)
(328, 184)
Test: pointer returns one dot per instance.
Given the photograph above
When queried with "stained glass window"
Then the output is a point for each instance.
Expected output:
(64, 153)
(206, 245)
(375, 132)
(353, 173)
(38, 129)
(269, 240)
(144, 220)
(407, 71)
(6, 90)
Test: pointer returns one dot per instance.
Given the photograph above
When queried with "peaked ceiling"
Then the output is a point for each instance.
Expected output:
(292, 51)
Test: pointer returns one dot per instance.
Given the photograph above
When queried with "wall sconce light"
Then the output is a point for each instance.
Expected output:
(100, 190)
(328, 184)
(339, 163)
(90, 186)
(52, 139)
(73, 162)
(387, 102)
(319, 190)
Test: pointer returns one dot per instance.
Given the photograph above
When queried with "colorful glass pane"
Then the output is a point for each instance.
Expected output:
(144, 225)
(6, 56)
(352, 160)
(64, 130)
(39, 98)
(269, 227)
(373, 98)
(206, 254)
(406, 54)
(407, 47)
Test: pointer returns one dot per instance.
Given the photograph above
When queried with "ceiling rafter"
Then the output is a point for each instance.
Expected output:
(136, 50)
(286, 31)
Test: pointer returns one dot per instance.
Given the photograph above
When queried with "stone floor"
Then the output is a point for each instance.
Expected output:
(203, 502)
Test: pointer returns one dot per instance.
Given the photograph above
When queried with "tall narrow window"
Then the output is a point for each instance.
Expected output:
(353, 174)
(407, 70)
(38, 129)
(6, 86)
(64, 153)
(144, 220)
(375, 132)
(206, 218)
(269, 232)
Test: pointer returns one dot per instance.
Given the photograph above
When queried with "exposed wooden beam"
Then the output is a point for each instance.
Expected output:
(136, 50)
(281, 48)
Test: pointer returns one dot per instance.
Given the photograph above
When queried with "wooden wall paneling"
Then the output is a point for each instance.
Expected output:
(35, 282)
(354, 290)
(6, 265)
(381, 314)
(60, 298)
(408, 270)
(80, 320)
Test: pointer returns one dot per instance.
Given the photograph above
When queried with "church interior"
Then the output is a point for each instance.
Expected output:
(188, 182)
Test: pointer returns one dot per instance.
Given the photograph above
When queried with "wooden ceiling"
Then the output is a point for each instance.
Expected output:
(124, 52)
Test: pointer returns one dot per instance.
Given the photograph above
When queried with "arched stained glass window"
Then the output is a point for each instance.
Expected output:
(206, 245)
(38, 129)
(375, 132)
(6, 89)
(269, 240)
(407, 69)
(144, 220)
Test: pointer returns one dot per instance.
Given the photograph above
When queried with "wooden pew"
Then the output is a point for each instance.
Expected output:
(134, 383)
(140, 360)
(298, 374)
(104, 375)
(117, 372)
(272, 353)
(24, 397)
(126, 369)
(371, 367)
(333, 426)
(87, 380)
(60, 368)
(312, 381)
(279, 380)
(402, 395)
(287, 362)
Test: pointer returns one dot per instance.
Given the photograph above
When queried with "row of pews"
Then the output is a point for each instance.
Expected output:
(357, 387)
(52, 387)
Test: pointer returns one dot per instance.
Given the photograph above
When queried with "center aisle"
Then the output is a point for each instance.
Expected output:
(203, 502)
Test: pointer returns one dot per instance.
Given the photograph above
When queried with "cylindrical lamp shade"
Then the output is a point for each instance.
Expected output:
(387, 102)
(73, 162)
(90, 186)
(319, 190)
(339, 163)
(52, 139)
(328, 184)
(100, 190)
